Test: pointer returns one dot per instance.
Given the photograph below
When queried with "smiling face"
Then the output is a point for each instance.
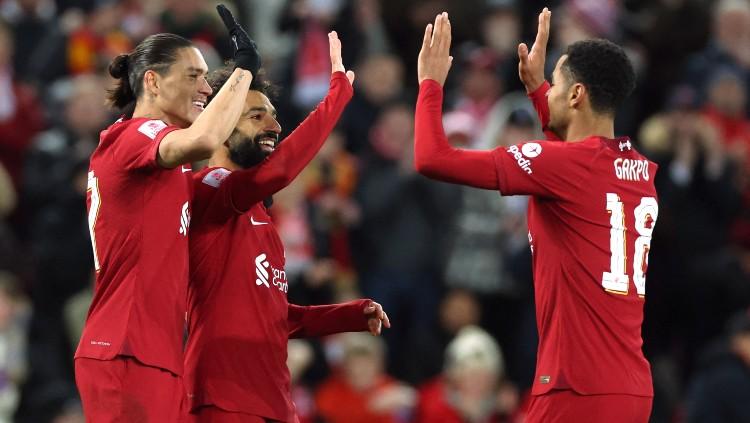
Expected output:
(257, 132)
(181, 91)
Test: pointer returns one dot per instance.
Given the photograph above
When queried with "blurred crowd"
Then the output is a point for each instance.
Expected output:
(450, 264)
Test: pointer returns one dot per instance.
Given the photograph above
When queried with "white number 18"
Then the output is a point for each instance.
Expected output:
(616, 280)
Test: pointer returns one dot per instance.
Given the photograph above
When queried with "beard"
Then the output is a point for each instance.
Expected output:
(247, 152)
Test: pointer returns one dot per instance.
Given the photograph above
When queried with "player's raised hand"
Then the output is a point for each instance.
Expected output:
(337, 64)
(531, 63)
(434, 60)
(246, 55)
(376, 318)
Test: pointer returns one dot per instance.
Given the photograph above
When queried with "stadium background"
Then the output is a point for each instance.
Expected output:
(442, 259)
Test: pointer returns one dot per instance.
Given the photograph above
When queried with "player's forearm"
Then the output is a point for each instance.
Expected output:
(434, 157)
(539, 99)
(222, 113)
(296, 151)
(212, 127)
(322, 320)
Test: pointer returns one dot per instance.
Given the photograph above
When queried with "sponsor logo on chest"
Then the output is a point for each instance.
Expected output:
(267, 275)
(184, 219)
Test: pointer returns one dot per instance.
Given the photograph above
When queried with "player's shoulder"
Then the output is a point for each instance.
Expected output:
(211, 177)
(541, 149)
(129, 128)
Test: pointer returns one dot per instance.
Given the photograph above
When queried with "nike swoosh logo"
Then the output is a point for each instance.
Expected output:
(184, 169)
(256, 223)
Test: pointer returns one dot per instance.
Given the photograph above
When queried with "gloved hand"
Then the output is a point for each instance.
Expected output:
(246, 54)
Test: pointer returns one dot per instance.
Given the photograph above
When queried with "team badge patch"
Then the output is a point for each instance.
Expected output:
(151, 128)
(531, 149)
(215, 177)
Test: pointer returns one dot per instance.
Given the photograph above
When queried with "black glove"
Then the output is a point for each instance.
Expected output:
(246, 54)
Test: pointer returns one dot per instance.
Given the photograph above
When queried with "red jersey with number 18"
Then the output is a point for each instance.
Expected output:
(138, 220)
(591, 216)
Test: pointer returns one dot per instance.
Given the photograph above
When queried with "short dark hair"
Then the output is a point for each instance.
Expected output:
(218, 77)
(157, 52)
(604, 69)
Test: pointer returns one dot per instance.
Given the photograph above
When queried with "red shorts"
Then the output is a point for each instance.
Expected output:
(566, 406)
(211, 414)
(125, 390)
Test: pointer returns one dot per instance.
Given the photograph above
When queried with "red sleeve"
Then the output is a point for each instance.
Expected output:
(311, 321)
(250, 186)
(547, 169)
(539, 100)
(138, 146)
(434, 157)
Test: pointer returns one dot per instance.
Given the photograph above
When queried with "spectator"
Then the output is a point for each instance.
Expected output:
(471, 388)
(14, 313)
(330, 180)
(380, 81)
(720, 391)
(20, 114)
(458, 309)
(728, 46)
(400, 243)
(361, 392)
(55, 152)
(300, 356)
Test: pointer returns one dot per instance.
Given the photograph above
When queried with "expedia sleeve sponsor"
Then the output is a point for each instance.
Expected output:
(522, 161)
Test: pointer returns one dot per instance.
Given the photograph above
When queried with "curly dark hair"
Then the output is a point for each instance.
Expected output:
(604, 69)
(218, 77)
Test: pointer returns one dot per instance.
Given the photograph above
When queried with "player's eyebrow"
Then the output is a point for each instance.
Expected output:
(193, 69)
(272, 111)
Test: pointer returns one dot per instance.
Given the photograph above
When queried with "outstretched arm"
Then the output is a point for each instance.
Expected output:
(250, 186)
(354, 316)
(434, 157)
(531, 72)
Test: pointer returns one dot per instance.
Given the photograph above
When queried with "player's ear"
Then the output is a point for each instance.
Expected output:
(576, 94)
(151, 82)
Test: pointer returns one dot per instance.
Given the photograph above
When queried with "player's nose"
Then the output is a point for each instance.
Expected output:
(205, 88)
(274, 126)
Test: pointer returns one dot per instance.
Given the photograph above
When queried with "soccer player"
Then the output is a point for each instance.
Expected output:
(238, 316)
(591, 215)
(129, 361)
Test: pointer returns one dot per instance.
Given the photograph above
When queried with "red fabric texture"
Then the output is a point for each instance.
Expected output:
(565, 406)
(125, 390)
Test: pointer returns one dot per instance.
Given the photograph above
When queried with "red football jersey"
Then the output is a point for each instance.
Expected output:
(238, 315)
(591, 216)
(139, 215)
